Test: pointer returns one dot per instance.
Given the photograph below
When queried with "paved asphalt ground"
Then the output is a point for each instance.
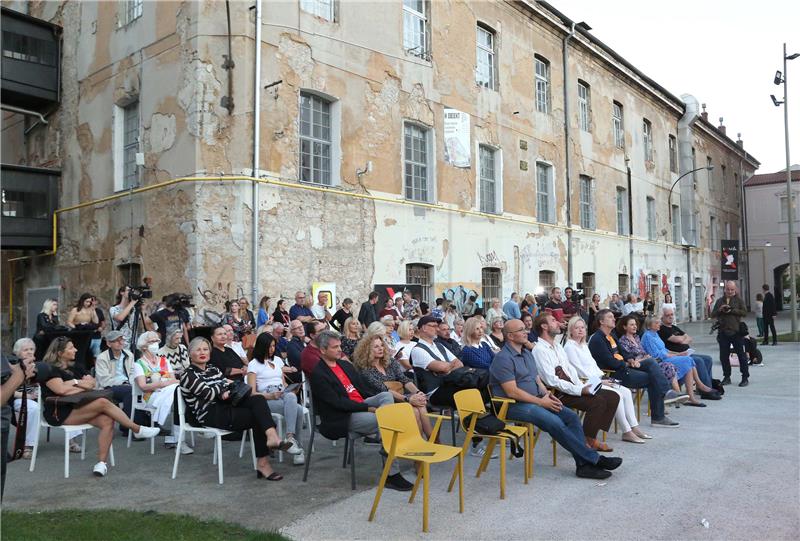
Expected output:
(734, 464)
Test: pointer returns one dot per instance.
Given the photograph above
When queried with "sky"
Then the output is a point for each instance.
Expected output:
(725, 53)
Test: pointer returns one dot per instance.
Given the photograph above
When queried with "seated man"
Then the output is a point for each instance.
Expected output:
(296, 345)
(310, 355)
(616, 305)
(634, 374)
(678, 341)
(113, 368)
(557, 373)
(444, 337)
(233, 344)
(344, 403)
(281, 343)
(513, 374)
(224, 358)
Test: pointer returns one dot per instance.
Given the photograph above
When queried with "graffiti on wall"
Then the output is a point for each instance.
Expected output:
(490, 259)
(459, 295)
(220, 294)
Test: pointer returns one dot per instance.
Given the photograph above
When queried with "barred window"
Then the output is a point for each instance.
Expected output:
(420, 274)
(491, 284)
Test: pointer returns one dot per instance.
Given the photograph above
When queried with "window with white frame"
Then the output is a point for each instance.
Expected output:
(586, 202)
(415, 28)
(320, 8)
(647, 137)
(485, 72)
(490, 181)
(545, 204)
(676, 225)
(491, 284)
(418, 161)
(316, 140)
(584, 106)
(131, 10)
(622, 215)
(651, 218)
(713, 234)
(547, 280)
(542, 84)
(126, 145)
(673, 154)
(619, 127)
(785, 208)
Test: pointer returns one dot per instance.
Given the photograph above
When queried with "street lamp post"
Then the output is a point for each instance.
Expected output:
(789, 199)
(669, 198)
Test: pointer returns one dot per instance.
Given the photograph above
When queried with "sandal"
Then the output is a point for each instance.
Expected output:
(74, 447)
(274, 476)
(283, 445)
(696, 404)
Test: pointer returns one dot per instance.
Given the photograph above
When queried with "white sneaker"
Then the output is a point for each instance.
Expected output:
(295, 449)
(100, 469)
(480, 450)
(146, 432)
(299, 460)
(185, 449)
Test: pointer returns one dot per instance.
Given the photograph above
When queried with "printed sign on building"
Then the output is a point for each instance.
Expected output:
(456, 138)
(329, 288)
(729, 253)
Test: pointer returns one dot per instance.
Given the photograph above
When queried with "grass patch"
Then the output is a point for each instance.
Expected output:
(785, 337)
(121, 525)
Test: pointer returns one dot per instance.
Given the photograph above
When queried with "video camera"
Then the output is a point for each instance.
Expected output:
(137, 293)
(185, 300)
(578, 294)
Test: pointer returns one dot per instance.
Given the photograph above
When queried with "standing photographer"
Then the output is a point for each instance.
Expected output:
(122, 314)
(729, 311)
(171, 317)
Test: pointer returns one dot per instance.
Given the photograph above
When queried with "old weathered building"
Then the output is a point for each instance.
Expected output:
(400, 142)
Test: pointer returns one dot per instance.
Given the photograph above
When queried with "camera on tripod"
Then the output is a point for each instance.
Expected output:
(578, 294)
(137, 293)
(185, 300)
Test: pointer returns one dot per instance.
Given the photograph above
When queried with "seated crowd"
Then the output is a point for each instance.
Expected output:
(539, 352)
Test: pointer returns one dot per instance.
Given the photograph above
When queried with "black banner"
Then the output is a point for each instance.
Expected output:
(729, 260)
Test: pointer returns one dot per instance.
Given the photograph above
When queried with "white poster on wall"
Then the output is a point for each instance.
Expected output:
(456, 138)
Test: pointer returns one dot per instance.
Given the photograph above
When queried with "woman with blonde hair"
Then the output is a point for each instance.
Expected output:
(404, 346)
(476, 353)
(381, 373)
(577, 350)
(351, 334)
(47, 320)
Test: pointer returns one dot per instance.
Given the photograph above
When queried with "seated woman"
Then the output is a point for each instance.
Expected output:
(378, 368)
(685, 366)
(239, 324)
(153, 375)
(25, 350)
(581, 360)
(496, 332)
(630, 347)
(404, 346)
(281, 314)
(176, 353)
(83, 317)
(205, 390)
(60, 380)
(47, 320)
(351, 334)
(266, 375)
(475, 353)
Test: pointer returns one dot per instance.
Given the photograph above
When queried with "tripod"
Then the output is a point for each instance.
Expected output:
(134, 326)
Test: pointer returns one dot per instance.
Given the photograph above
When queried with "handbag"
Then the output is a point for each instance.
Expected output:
(467, 378)
(395, 386)
(239, 390)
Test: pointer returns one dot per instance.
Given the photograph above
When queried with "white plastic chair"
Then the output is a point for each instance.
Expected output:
(137, 403)
(208, 432)
(66, 428)
(280, 428)
(307, 404)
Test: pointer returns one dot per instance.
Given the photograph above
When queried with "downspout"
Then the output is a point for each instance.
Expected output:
(630, 225)
(256, 145)
(567, 162)
(228, 65)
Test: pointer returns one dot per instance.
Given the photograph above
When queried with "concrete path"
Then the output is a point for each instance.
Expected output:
(734, 463)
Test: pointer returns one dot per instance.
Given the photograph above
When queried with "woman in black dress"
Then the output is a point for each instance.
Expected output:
(281, 315)
(47, 320)
(64, 380)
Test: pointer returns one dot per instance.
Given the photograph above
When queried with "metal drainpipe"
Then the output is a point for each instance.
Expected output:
(256, 144)
(630, 228)
(566, 153)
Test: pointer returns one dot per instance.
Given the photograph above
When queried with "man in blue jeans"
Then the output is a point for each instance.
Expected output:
(513, 374)
(678, 341)
(633, 374)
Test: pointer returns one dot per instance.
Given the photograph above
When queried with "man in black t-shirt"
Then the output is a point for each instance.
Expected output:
(171, 317)
(675, 339)
(555, 306)
(224, 358)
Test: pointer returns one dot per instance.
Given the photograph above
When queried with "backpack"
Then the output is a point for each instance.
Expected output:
(489, 425)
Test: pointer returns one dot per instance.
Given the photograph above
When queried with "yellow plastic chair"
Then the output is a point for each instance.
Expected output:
(402, 440)
(638, 394)
(532, 437)
(469, 402)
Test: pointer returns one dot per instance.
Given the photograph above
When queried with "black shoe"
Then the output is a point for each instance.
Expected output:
(713, 395)
(372, 440)
(590, 471)
(609, 462)
(726, 380)
(764, 343)
(774, 343)
(398, 482)
(743, 383)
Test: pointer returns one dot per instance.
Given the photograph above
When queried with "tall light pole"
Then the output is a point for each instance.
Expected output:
(790, 206)
(669, 198)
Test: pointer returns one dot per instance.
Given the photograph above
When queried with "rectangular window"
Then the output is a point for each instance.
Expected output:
(130, 145)
(320, 8)
(785, 209)
(485, 73)
(622, 206)
(420, 274)
(647, 136)
(315, 140)
(131, 273)
(673, 154)
(417, 162)
(623, 284)
(584, 106)
(29, 49)
(542, 84)
(619, 130)
(415, 28)
(489, 185)
(545, 210)
(132, 11)
(722, 173)
(676, 225)
(547, 280)
(710, 173)
(491, 284)
(587, 203)
(651, 218)
(713, 234)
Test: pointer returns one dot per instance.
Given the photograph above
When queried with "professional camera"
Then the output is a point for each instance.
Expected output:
(578, 294)
(185, 300)
(137, 293)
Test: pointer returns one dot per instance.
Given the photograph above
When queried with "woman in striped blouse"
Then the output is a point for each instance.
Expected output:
(205, 391)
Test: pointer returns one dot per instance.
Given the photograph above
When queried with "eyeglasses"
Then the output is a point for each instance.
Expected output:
(512, 332)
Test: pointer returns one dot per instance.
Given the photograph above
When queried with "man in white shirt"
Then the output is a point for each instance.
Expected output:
(113, 369)
(320, 310)
(558, 374)
(432, 362)
(235, 346)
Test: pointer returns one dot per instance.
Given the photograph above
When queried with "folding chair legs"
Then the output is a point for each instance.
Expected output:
(177, 453)
(352, 445)
(309, 451)
(66, 456)
(218, 456)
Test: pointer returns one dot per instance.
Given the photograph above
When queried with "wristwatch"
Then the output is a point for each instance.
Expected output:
(405, 398)
(74, 382)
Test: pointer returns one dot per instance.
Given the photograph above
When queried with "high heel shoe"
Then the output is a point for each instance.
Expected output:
(274, 476)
